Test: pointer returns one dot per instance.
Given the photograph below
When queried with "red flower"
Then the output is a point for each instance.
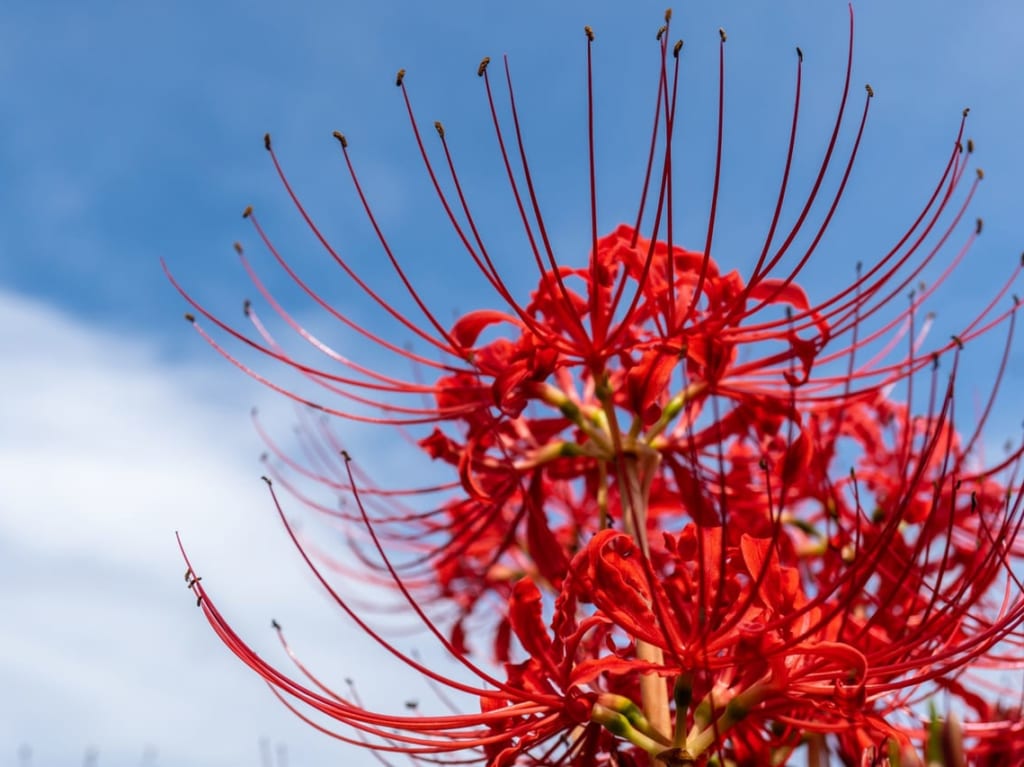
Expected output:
(658, 450)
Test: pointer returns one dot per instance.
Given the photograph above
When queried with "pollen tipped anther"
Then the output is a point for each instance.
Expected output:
(190, 317)
(589, 32)
(399, 77)
(967, 111)
(870, 90)
(238, 248)
(439, 128)
(266, 141)
(247, 212)
(341, 139)
(661, 32)
(676, 48)
(981, 173)
(483, 66)
(668, 15)
(721, 34)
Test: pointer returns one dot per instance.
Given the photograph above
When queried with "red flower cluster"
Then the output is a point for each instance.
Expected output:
(688, 515)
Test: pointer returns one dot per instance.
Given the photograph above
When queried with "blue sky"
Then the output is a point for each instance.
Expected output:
(133, 131)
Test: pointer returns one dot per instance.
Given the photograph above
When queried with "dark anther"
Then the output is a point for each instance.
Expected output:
(399, 77)
(661, 32)
(246, 307)
(483, 66)
(935, 360)
(266, 141)
(970, 145)
(191, 579)
(721, 34)
(967, 111)
(341, 139)
(190, 317)
(799, 53)
(977, 227)
(266, 479)
(275, 625)
(199, 600)
(345, 455)
(958, 341)
(676, 48)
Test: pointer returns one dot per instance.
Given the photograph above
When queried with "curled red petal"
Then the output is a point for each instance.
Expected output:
(468, 328)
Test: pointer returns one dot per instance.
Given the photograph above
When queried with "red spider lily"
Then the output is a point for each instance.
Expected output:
(659, 450)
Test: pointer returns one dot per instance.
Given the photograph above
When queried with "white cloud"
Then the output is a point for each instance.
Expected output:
(106, 451)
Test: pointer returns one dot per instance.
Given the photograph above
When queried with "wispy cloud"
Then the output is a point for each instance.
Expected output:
(105, 453)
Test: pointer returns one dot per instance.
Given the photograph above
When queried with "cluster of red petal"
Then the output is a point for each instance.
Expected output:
(746, 543)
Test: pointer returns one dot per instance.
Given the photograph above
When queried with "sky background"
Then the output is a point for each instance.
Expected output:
(132, 131)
